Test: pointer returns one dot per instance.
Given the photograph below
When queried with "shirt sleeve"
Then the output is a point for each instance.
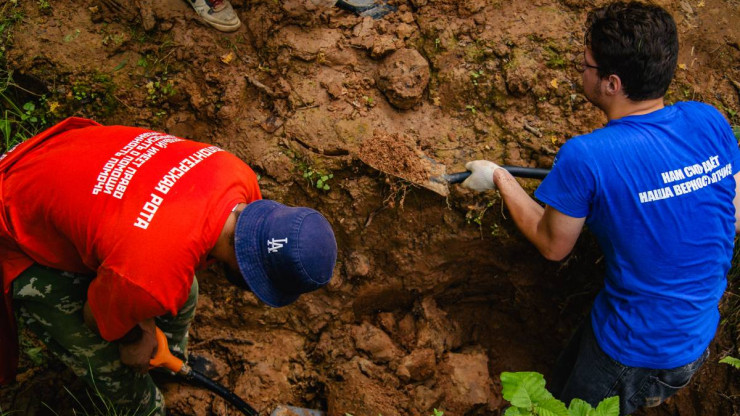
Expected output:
(115, 314)
(570, 185)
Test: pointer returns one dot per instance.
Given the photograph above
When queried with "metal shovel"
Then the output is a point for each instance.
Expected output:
(399, 156)
(164, 358)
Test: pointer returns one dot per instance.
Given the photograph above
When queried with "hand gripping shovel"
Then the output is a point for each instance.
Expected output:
(164, 358)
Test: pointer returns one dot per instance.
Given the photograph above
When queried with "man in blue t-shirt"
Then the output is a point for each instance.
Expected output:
(657, 187)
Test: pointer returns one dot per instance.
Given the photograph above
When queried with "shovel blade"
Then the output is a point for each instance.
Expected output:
(284, 410)
(398, 155)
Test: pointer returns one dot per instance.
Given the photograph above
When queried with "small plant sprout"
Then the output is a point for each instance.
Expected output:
(318, 179)
(471, 108)
(474, 75)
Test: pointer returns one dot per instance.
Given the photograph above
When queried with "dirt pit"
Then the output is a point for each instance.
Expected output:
(433, 297)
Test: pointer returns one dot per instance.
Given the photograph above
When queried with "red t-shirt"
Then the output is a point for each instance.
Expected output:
(137, 208)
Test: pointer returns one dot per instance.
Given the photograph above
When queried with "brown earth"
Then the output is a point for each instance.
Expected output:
(433, 297)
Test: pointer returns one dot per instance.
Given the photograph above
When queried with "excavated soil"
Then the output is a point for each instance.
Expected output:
(433, 297)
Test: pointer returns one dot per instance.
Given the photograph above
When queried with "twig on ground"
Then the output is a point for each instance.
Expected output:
(260, 86)
(531, 129)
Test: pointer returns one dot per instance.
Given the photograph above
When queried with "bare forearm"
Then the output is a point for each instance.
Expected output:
(524, 210)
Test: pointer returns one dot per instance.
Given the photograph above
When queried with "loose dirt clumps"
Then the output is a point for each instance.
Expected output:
(397, 155)
(306, 8)
(403, 77)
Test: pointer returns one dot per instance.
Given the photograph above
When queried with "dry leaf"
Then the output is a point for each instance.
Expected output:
(228, 58)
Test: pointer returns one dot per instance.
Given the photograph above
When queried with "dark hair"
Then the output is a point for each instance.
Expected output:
(637, 42)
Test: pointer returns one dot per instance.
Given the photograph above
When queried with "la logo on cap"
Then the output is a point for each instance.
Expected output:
(275, 244)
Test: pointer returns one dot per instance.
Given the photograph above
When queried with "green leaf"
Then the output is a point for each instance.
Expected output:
(35, 355)
(71, 36)
(523, 389)
(731, 361)
(326, 187)
(324, 178)
(517, 411)
(121, 65)
(579, 407)
(608, 407)
(320, 183)
(29, 106)
(551, 407)
(5, 128)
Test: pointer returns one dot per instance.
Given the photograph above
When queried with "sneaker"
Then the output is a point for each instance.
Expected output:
(217, 13)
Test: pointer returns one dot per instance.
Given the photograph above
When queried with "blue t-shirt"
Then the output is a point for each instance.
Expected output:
(657, 192)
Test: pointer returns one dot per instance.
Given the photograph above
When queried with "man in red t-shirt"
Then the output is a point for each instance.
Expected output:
(102, 229)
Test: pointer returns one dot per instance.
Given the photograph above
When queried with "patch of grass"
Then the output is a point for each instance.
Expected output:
(99, 405)
(92, 95)
(553, 58)
(18, 120)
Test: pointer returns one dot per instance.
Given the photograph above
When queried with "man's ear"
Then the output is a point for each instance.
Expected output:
(613, 85)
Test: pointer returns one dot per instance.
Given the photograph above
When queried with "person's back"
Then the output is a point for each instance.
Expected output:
(117, 218)
(86, 201)
(659, 193)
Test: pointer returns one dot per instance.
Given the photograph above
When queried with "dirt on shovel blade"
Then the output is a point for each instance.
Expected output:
(398, 155)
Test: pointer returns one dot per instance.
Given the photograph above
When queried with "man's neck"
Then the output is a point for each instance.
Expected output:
(624, 107)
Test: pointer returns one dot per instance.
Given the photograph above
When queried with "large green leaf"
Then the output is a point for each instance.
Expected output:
(523, 389)
(608, 407)
(551, 407)
(517, 411)
(579, 407)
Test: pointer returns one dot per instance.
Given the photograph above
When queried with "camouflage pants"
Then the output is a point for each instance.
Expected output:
(49, 302)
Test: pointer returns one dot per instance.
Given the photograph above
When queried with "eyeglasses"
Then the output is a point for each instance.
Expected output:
(581, 66)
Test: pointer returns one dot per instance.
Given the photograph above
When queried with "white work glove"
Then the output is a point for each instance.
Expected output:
(481, 178)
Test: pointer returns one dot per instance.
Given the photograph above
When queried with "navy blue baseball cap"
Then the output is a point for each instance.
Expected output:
(283, 251)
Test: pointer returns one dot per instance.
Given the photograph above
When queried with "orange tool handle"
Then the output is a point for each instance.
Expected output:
(163, 357)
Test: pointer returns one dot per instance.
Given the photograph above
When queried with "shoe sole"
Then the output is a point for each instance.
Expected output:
(224, 27)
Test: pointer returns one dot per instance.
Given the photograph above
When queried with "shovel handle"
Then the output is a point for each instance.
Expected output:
(518, 171)
(163, 357)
